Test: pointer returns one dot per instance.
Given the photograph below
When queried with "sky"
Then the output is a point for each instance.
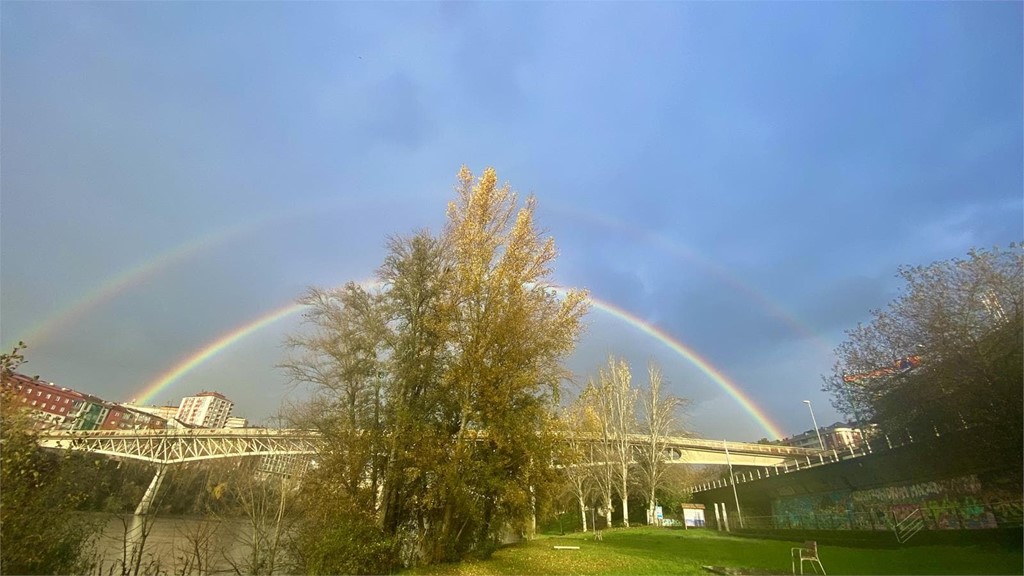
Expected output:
(735, 183)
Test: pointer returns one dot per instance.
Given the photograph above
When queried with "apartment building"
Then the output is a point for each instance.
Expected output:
(205, 410)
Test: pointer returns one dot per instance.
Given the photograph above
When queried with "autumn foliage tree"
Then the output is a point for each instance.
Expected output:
(40, 533)
(945, 355)
(438, 387)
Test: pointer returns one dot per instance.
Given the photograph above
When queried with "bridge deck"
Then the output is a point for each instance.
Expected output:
(185, 445)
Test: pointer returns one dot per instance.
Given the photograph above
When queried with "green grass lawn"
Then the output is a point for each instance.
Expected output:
(663, 551)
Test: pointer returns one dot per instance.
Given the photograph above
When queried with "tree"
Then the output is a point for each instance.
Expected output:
(463, 344)
(265, 502)
(37, 488)
(600, 456)
(615, 402)
(659, 413)
(945, 355)
(338, 355)
(578, 429)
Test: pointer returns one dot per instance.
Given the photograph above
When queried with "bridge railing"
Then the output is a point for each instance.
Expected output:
(869, 446)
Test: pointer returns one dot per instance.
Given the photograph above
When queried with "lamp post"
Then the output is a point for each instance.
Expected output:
(815, 422)
(732, 480)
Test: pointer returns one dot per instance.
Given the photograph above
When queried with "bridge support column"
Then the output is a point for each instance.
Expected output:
(150, 495)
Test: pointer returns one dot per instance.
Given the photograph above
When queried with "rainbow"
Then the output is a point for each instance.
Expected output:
(211, 349)
(691, 356)
(233, 336)
(76, 309)
(73, 311)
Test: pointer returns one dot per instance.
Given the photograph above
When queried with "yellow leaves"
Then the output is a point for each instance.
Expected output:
(217, 491)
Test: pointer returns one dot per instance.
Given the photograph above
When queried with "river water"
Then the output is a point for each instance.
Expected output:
(173, 544)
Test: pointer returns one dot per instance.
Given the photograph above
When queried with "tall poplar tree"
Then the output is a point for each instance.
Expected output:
(462, 349)
(659, 411)
(616, 407)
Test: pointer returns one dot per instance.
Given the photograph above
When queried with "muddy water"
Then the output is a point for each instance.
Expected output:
(173, 545)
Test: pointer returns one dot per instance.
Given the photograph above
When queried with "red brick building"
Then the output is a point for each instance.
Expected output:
(54, 406)
(120, 417)
(51, 406)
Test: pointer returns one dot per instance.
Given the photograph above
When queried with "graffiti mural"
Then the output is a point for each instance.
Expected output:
(950, 504)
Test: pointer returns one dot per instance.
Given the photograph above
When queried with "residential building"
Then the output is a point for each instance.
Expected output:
(51, 406)
(205, 410)
(121, 417)
(91, 414)
(165, 412)
(808, 439)
(236, 422)
(839, 437)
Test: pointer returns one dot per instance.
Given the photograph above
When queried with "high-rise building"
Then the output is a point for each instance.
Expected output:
(205, 410)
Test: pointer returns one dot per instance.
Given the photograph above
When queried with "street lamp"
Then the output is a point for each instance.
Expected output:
(815, 422)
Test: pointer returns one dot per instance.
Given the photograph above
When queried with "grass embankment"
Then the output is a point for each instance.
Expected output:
(663, 551)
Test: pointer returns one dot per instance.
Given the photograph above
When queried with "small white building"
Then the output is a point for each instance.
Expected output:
(693, 515)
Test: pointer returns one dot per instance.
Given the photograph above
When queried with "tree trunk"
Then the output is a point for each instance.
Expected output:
(608, 509)
(625, 500)
(625, 512)
(583, 512)
(650, 506)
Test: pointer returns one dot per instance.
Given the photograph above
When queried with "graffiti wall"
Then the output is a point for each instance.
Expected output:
(951, 504)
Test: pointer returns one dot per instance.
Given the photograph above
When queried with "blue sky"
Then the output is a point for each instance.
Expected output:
(746, 177)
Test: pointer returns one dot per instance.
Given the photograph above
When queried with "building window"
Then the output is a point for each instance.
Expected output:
(48, 396)
(33, 402)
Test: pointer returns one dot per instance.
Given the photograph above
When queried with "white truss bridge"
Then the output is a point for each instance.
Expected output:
(173, 446)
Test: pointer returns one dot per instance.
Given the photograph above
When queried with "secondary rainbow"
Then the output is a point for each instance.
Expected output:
(228, 339)
(67, 315)
(691, 256)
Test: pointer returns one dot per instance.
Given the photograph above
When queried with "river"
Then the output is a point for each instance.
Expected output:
(174, 544)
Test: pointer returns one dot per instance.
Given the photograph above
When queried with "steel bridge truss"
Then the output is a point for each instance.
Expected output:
(184, 445)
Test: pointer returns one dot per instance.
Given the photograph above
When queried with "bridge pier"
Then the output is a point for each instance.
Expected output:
(150, 495)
